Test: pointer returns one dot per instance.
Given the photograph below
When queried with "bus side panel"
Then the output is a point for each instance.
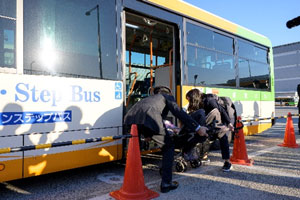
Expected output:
(49, 160)
(11, 163)
(46, 110)
(10, 169)
(47, 163)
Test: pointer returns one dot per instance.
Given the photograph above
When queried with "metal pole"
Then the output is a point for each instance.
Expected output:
(98, 33)
(99, 43)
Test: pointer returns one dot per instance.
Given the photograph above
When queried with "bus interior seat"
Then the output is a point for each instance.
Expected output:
(162, 76)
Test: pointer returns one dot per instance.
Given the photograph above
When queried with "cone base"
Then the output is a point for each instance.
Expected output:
(147, 194)
(248, 162)
(289, 145)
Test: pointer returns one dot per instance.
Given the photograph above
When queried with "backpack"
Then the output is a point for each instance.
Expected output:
(228, 106)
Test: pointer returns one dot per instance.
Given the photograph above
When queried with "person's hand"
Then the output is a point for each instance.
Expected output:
(230, 126)
(176, 130)
(202, 131)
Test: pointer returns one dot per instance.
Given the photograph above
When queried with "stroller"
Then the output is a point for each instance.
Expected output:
(190, 146)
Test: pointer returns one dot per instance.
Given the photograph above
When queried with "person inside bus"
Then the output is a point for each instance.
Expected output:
(267, 84)
(148, 114)
(298, 91)
(256, 83)
(198, 100)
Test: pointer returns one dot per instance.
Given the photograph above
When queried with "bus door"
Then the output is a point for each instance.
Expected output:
(149, 56)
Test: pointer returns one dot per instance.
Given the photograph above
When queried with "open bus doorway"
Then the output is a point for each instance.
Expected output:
(149, 57)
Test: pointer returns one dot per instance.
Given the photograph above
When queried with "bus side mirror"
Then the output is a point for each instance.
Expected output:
(293, 22)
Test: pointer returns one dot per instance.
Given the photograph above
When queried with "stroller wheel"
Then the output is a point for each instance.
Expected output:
(195, 163)
(180, 166)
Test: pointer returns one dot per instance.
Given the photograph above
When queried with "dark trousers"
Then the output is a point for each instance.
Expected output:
(167, 146)
(189, 144)
(299, 120)
(167, 160)
(224, 145)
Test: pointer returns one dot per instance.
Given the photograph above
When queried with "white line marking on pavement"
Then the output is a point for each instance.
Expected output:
(270, 171)
(110, 178)
(263, 151)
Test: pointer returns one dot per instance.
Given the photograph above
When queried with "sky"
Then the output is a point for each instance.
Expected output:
(266, 17)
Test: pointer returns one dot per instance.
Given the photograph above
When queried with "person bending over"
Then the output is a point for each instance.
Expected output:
(148, 114)
(213, 111)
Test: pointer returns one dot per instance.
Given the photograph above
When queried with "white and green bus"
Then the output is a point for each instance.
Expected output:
(70, 69)
(286, 101)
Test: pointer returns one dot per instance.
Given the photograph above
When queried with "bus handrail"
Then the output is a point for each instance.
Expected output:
(132, 86)
(170, 64)
(64, 143)
(268, 118)
(131, 73)
(161, 66)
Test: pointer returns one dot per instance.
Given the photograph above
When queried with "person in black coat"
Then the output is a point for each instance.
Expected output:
(148, 114)
(198, 100)
(298, 91)
(199, 116)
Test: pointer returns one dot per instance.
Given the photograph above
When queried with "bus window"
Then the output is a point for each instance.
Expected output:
(8, 8)
(210, 58)
(61, 38)
(253, 66)
(8, 34)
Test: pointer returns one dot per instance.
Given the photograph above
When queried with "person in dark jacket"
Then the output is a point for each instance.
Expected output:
(148, 114)
(198, 114)
(213, 110)
(298, 91)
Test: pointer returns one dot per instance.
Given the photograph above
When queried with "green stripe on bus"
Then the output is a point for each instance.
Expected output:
(243, 95)
(246, 33)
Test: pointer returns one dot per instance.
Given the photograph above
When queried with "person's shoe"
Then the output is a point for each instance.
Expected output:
(227, 166)
(166, 187)
(205, 160)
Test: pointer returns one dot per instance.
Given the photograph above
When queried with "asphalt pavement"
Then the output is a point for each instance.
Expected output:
(275, 174)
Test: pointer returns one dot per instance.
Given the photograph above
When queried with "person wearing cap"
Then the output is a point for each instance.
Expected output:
(149, 115)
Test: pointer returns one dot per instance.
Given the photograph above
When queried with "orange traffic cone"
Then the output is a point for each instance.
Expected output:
(133, 184)
(239, 154)
(289, 136)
